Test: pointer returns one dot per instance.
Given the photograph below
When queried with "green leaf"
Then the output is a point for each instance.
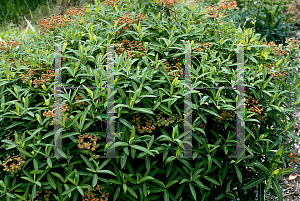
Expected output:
(69, 191)
(211, 180)
(28, 179)
(73, 120)
(132, 192)
(228, 186)
(123, 159)
(95, 180)
(211, 112)
(10, 195)
(170, 158)
(20, 197)
(268, 184)
(145, 179)
(125, 122)
(275, 172)
(142, 149)
(114, 181)
(124, 188)
(24, 152)
(238, 173)
(116, 194)
(278, 62)
(285, 171)
(80, 190)
(276, 159)
(171, 183)
(143, 110)
(120, 144)
(262, 167)
(58, 176)
(104, 163)
(193, 191)
(87, 162)
(267, 82)
(209, 161)
(36, 171)
(51, 181)
(183, 181)
(186, 164)
(35, 164)
(265, 54)
(253, 183)
(166, 195)
(251, 58)
(132, 135)
(133, 181)
(165, 109)
(33, 192)
(277, 189)
(106, 172)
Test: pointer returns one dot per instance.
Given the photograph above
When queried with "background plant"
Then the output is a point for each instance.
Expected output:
(268, 16)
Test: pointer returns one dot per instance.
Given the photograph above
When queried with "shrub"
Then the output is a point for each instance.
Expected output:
(149, 81)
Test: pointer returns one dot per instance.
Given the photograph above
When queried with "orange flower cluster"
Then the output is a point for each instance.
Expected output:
(224, 5)
(127, 19)
(10, 136)
(15, 61)
(177, 66)
(111, 2)
(91, 197)
(51, 112)
(294, 156)
(149, 124)
(225, 114)
(76, 11)
(87, 145)
(50, 23)
(277, 50)
(293, 43)
(251, 104)
(45, 78)
(13, 164)
(10, 44)
(81, 104)
(194, 117)
(274, 74)
(205, 45)
(167, 3)
(162, 121)
(255, 128)
(132, 46)
(46, 194)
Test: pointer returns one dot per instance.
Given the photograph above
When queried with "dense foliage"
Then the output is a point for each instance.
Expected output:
(149, 81)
